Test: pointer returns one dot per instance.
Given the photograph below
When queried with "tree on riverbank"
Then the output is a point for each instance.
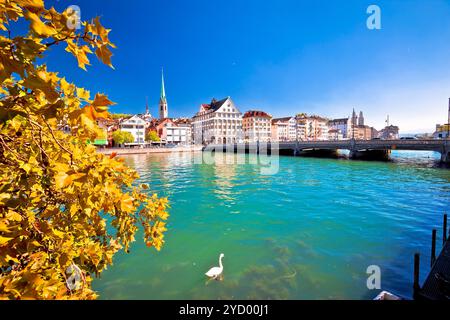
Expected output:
(121, 137)
(116, 116)
(65, 209)
(152, 136)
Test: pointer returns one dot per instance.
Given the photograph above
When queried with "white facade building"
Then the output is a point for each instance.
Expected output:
(280, 130)
(284, 129)
(342, 125)
(178, 135)
(136, 126)
(218, 122)
(185, 126)
(257, 126)
(173, 131)
(312, 128)
(292, 129)
(335, 135)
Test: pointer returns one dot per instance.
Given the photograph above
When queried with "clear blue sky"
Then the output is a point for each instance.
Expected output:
(283, 56)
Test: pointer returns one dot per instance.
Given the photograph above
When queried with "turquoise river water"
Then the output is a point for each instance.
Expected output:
(309, 231)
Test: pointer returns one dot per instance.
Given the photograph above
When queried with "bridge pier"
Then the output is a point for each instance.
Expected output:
(370, 154)
(296, 150)
(445, 156)
(445, 152)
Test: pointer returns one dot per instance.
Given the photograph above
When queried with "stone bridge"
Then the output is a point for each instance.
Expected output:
(357, 148)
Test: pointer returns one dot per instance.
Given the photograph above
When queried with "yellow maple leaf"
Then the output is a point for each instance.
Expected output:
(104, 54)
(126, 203)
(79, 53)
(98, 108)
(3, 225)
(31, 4)
(98, 29)
(101, 100)
(26, 167)
(4, 240)
(77, 176)
(37, 25)
(62, 180)
(83, 94)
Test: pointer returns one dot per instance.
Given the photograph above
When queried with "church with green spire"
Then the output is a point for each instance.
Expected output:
(163, 108)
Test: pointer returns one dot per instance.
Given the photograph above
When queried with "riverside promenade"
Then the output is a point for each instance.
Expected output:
(126, 151)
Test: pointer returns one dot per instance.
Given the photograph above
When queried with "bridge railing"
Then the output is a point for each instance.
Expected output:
(403, 142)
(372, 142)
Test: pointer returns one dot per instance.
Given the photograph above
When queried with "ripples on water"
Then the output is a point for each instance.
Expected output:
(308, 232)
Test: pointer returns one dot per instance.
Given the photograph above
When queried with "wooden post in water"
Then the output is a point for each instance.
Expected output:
(416, 286)
(433, 247)
(444, 231)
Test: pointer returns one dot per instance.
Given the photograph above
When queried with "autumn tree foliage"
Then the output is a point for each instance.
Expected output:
(65, 209)
(121, 137)
(152, 136)
(120, 115)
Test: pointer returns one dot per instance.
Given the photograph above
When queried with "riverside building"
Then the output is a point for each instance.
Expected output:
(257, 126)
(218, 122)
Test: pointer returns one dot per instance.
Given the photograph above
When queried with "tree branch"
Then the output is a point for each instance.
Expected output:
(57, 141)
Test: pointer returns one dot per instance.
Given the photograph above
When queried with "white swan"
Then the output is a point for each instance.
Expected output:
(216, 271)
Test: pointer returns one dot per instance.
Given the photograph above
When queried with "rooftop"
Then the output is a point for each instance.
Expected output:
(285, 119)
(256, 113)
(339, 120)
(215, 105)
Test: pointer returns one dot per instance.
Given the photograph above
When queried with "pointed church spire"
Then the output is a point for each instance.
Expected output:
(163, 89)
(354, 118)
(361, 118)
(163, 108)
(146, 105)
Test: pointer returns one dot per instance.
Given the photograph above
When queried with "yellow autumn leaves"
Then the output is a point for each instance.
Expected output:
(38, 26)
(102, 49)
(51, 25)
(62, 204)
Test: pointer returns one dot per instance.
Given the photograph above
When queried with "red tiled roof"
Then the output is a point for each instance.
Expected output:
(276, 122)
(256, 113)
(285, 119)
(183, 121)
